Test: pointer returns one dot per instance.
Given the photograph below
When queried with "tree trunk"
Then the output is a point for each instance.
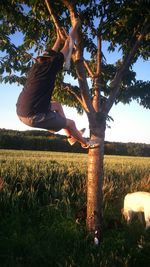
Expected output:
(94, 191)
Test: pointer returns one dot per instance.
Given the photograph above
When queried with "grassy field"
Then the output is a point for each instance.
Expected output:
(41, 194)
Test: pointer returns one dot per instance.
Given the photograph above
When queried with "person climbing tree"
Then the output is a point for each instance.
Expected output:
(34, 105)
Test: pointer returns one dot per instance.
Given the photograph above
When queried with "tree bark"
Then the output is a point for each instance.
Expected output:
(94, 191)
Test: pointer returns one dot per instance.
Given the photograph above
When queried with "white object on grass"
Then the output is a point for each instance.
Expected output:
(137, 202)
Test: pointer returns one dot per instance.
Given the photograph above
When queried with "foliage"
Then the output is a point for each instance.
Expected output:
(139, 92)
(118, 23)
(42, 192)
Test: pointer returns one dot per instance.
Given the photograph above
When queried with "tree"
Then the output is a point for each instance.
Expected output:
(124, 25)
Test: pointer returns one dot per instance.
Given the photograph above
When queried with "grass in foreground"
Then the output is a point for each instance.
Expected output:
(43, 191)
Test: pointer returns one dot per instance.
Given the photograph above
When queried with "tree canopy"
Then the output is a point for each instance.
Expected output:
(26, 29)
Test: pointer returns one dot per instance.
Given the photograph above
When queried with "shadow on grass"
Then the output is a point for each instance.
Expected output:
(49, 237)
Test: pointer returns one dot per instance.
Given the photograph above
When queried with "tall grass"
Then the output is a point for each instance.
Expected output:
(41, 194)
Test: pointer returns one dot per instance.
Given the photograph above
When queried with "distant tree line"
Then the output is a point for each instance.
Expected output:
(44, 140)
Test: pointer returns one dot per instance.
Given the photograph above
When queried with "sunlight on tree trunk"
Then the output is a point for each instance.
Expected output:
(94, 192)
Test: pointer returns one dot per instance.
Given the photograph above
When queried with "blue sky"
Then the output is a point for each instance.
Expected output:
(131, 122)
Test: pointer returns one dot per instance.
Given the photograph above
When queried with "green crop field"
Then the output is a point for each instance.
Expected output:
(40, 194)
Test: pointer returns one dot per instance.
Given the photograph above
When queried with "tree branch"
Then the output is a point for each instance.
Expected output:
(81, 64)
(69, 87)
(98, 71)
(86, 64)
(86, 98)
(73, 15)
(71, 9)
(97, 85)
(54, 18)
(115, 84)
